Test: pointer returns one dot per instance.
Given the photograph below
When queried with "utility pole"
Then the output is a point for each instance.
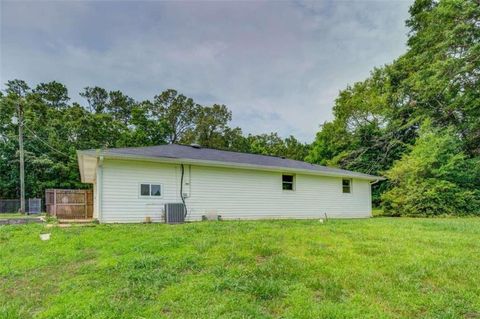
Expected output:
(22, 158)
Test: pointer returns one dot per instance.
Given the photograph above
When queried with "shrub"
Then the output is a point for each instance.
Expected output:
(435, 178)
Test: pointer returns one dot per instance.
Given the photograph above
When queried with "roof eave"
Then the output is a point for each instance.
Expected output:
(87, 162)
(80, 165)
(171, 160)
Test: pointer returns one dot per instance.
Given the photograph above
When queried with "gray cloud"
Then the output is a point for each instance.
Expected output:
(277, 65)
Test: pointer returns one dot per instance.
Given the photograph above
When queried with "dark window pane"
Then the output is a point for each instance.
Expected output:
(145, 190)
(287, 186)
(346, 185)
(155, 190)
(287, 182)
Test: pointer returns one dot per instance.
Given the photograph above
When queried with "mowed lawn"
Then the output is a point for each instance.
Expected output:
(375, 268)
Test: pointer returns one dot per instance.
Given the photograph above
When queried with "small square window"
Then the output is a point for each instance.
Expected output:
(150, 190)
(145, 189)
(287, 182)
(346, 185)
(156, 191)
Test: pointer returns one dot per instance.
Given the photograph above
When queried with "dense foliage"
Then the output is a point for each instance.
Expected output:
(377, 121)
(435, 178)
(55, 129)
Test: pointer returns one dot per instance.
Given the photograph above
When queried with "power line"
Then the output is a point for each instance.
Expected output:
(46, 143)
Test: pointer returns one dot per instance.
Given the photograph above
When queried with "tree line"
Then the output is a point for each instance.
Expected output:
(55, 128)
(415, 121)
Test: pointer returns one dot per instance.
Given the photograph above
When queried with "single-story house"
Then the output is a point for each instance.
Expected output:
(133, 185)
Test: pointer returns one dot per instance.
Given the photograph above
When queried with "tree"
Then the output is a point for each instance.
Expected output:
(435, 178)
(177, 111)
(96, 97)
(210, 126)
(120, 106)
(444, 61)
(273, 144)
(144, 128)
(53, 93)
(330, 142)
(17, 87)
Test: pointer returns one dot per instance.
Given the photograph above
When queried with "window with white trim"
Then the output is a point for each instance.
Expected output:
(288, 182)
(347, 185)
(150, 190)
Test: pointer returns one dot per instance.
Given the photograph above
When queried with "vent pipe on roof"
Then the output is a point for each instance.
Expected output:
(195, 145)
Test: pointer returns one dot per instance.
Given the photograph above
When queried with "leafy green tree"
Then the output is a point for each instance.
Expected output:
(210, 125)
(368, 132)
(273, 144)
(96, 97)
(444, 65)
(120, 106)
(53, 93)
(17, 88)
(177, 111)
(330, 142)
(144, 128)
(435, 178)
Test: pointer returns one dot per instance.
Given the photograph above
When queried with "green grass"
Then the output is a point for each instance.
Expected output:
(375, 268)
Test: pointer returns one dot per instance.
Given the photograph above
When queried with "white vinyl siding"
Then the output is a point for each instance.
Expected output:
(314, 196)
(229, 192)
(121, 194)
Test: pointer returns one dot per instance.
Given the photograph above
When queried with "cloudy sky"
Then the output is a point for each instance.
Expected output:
(277, 65)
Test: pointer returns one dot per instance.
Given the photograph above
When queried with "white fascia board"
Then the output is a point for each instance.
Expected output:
(85, 166)
(225, 164)
(80, 166)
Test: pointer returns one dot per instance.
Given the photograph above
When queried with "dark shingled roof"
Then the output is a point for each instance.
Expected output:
(175, 151)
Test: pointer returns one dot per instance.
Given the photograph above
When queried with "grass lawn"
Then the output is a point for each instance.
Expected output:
(375, 268)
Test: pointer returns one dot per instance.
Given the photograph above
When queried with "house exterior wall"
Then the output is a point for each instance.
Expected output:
(230, 192)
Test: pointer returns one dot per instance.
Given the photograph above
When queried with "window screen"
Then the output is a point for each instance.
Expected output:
(287, 182)
(346, 185)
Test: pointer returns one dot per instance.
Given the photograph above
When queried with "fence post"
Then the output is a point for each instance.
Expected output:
(85, 203)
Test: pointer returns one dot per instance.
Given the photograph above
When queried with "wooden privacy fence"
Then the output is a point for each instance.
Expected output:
(69, 203)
